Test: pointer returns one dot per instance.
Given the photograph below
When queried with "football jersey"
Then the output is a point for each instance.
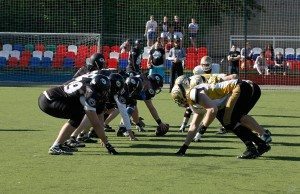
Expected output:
(157, 56)
(78, 89)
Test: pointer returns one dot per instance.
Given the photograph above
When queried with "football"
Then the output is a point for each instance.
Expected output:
(160, 132)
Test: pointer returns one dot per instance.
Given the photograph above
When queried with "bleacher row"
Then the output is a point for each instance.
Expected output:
(72, 56)
(291, 55)
(45, 56)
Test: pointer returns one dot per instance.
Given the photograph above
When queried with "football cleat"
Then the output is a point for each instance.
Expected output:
(86, 140)
(111, 150)
(221, 131)
(197, 137)
(70, 148)
(108, 128)
(261, 149)
(141, 122)
(182, 128)
(121, 131)
(72, 142)
(250, 153)
(58, 150)
(140, 128)
(92, 134)
(182, 150)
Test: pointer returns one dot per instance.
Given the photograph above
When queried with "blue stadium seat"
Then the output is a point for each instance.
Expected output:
(34, 62)
(2, 61)
(123, 63)
(46, 62)
(18, 47)
(290, 57)
(68, 63)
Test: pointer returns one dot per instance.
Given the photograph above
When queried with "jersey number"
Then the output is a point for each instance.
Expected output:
(72, 87)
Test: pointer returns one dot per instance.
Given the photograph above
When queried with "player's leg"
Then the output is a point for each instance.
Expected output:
(186, 117)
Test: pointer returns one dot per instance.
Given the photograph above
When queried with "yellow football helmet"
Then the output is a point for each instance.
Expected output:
(180, 89)
(206, 63)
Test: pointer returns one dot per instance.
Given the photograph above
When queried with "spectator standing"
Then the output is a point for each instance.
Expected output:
(261, 64)
(156, 59)
(169, 45)
(234, 57)
(178, 29)
(126, 46)
(269, 55)
(193, 31)
(246, 55)
(164, 29)
(150, 31)
(176, 55)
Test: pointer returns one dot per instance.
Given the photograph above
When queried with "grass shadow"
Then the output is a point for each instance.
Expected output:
(283, 158)
(283, 116)
(285, 144)
(20, 130)
(159, 146)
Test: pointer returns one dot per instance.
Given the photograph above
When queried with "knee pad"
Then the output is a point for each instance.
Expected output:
(188, 113)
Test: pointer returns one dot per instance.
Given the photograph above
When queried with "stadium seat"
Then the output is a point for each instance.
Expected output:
(37, 54)
(72, 48)
(114, 55)
(57, 61)
(18, 47)
(105, 48)
(112, 63)
(49, 54)
(93, 49)
(24, 60)
(115, 48)
(50, 47)
(277, 50)
(106, 55)
(124, 56)
(4, 54)
(83, 50)
(70, 55)
(123, 63)
(79, 61)
(7, 47)
(46, 62)
(12, 62)
(144, 64)
(191, 60)
(29, 47)
(26, 53)
(39, 47)
(34, 62)
(15, 53)
(289, 54)
(3, 61)
(68, 63)
(61, 48)
(191, 50)
(202, 51)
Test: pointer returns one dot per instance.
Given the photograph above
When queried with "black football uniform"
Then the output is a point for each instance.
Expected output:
(135, 59)
(70, 100)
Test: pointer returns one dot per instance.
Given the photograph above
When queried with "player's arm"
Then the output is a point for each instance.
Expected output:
(125, 117)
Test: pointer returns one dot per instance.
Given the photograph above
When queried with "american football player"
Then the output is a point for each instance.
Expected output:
(224, 101)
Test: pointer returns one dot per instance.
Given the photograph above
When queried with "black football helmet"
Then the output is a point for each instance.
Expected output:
(105, 72)
(96, 62)
(132, 73)
(101, 84)
(157, 82)
(134, 85)
(117, 83)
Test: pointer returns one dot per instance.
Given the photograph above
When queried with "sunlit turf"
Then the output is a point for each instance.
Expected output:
(148, 165)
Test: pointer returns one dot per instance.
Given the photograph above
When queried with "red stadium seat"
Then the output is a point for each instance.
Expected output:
(112, 63)
(105, 49)
(202, 51)
(24, 60)
(40, 47)
(83, 50)
(61, 48)
(13, 62)
(115, 48)
(191, 61)
(93, 49)
(191, 50)
(144, 64)
(26, 54)
(79, 61)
